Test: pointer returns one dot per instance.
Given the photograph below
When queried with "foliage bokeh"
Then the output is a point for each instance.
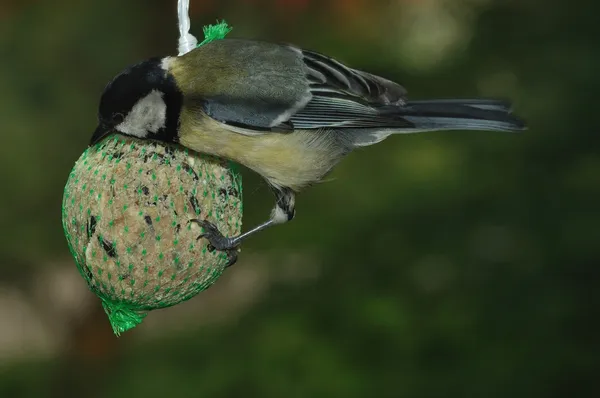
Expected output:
(449, 264)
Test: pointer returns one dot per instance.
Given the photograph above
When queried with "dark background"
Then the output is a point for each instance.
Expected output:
(450, 264)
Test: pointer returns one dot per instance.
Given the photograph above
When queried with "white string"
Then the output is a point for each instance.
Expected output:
(187, 41)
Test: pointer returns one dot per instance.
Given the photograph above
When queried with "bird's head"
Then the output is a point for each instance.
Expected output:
(143, 101)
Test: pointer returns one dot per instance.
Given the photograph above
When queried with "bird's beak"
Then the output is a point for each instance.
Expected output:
(101, 132)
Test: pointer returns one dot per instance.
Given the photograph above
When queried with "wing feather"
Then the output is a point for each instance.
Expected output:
(334, 112)
(307, 90)
(342, 97)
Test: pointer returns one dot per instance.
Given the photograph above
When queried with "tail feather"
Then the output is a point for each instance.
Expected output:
(436, 115)
(492, 105)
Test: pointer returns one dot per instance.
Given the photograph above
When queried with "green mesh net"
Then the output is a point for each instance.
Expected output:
(126, 211)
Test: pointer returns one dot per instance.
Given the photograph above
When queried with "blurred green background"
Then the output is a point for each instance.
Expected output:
(450, 264)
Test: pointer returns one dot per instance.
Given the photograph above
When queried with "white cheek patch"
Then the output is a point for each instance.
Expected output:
(148, 115)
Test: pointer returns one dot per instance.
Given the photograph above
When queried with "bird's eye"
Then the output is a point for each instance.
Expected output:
(117, 118)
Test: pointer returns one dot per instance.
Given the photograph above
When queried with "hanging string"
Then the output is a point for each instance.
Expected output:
(187, 41)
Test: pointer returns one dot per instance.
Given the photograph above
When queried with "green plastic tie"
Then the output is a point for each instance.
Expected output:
(215, 32)
(121, 317)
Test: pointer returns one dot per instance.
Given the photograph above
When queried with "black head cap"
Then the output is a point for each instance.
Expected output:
(143, 101)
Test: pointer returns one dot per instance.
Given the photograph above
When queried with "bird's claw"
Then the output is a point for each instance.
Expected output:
(217, 241)
(214, 236)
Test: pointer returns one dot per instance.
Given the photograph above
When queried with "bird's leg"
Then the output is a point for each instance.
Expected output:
(283, 212)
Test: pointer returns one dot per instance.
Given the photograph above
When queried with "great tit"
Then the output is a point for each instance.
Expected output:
(286, 113)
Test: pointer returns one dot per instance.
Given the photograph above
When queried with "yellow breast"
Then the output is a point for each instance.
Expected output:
(292, 160)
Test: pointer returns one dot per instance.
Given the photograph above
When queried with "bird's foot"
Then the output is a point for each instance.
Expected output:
(217, 241)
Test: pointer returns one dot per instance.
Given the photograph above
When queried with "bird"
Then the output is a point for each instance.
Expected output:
(287, 113)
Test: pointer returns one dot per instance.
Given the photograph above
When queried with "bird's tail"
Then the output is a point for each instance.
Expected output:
(435, 115)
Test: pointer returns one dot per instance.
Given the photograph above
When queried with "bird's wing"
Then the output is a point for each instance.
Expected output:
(286, 88)
(342, 97)
(326, 75)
